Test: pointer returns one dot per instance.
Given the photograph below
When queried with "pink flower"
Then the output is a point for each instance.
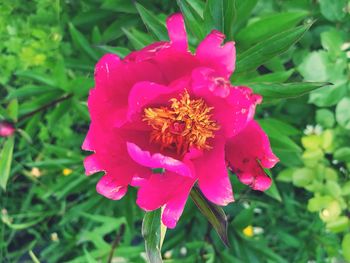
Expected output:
(6, 129)
(164, 107)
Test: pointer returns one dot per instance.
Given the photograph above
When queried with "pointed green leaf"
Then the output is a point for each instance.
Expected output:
(220, 15)
(273, 190)
(243, 11)
(81, 42)
(269, 48)
(268, 26)
(271, 91)
(137, 39)
(153, 23)
(120, 51)
(194, 20)
(12, 110)
(37, 77)
(151, 234)
(215, 215)
(5, 161)
(125, 6)
(28, 91)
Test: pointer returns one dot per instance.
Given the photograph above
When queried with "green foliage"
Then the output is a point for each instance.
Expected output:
(215, 215)
(151, 234)
(50, 212)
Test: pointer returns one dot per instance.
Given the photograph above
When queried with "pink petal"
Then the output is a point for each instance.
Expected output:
(158, 160)
(167, 189)
(213, 176)
(245, 151)
(148, 52)
(174, 207)
(109, 187)
(108, 101)
(92, 165)
(87, 144)
(110, 156)
(148, 93)
(177, 31)
(212, 54)
(233, 107)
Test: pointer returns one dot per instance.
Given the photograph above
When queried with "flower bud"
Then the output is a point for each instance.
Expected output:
(6, 129)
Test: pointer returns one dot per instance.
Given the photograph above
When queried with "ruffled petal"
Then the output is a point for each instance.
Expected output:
(233, 107)
(110, 156)
(248, 153)
(158, 160)
(149, 93)
(213, 176)
(212, 54)
(92, 165)
(108, 101)
(148, 52)
(167, 189)
(177, 31)
(109, 187)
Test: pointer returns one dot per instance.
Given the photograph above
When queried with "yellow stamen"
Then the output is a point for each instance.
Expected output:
(186, 123)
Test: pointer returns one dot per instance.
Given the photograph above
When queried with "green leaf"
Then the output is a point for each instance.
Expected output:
(137, 39)
(285, 90)
(151, 234)
(278, 127)
(213, 213)
(12, 110)
(333, 10)
(5, 161)
(286, 175)
(338, 225)
(114, 29)
(194, 21)
(342, 113)
(268, 26)
(276, 77)
(346, 246)
(314, 66)
(273, 190)
(120, 51)
(328, 96)
(96, 35)
(269, 48)
(91, 17)
(82, 42)
(220, 15)
(153, 23)
(342, 154)
(230, 14)
(332, 41)
(325, 118)
(28, 91)
(125, 6)
(39, 77)
(303, 176)
(243, 12)
(243, 219)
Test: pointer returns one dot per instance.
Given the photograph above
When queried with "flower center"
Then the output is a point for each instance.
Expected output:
(186, 123)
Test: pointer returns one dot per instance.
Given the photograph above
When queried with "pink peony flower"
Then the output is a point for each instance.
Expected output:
(6, 129)
(164, 107)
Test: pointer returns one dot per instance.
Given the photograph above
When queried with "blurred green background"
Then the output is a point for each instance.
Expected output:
(50, 211)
